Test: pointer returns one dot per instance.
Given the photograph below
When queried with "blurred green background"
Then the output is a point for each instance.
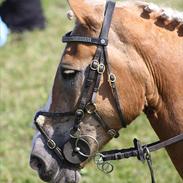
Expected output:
(28, 64)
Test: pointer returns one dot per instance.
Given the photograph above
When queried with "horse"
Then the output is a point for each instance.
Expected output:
(143, 73)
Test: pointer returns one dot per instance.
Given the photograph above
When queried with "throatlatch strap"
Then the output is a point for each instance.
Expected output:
(104, 34)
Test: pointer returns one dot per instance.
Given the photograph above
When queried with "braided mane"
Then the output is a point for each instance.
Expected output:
(164, 17)
(165, 13)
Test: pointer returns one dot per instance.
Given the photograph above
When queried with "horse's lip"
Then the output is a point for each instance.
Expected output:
(63, 177)
(45, 172)
(45, 176)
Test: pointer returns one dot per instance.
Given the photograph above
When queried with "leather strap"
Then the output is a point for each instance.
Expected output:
(141, 152)
(109, 9)
(94, 76)
(49, 142)
(104, 34)
(80, 39)
(112, 82)
(135, 152)
(53, 114)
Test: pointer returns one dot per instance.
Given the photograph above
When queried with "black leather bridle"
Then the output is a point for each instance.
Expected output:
(87, 102)
(77, 148)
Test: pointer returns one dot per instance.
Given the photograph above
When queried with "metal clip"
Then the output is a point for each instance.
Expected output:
(149, 163)
(147, 153)
(105, 167)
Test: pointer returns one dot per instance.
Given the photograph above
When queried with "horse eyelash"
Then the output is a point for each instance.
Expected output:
(68, 73)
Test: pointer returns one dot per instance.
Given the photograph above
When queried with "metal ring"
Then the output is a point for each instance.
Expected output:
(95, 140)
(51, 144)
(81, 137)
(75, 133)
(99, 166)
(107, 167)
(147, 152)
(90, 108)
(78, 148)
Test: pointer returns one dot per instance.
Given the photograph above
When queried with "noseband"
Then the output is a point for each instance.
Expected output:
(87, 102)
(76, 149)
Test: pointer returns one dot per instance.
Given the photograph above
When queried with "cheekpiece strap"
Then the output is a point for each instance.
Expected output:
(109, 9)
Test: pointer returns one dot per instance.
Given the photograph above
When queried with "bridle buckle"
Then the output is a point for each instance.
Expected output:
(111, 78)
(94, 65)
(90, 108)
(101, 68)
(51, 144)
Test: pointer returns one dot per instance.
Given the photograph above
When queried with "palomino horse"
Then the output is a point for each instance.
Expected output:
(145, 68)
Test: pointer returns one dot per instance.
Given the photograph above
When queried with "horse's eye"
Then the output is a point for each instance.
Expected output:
(68, 73)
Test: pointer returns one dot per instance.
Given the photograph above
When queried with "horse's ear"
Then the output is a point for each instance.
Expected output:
(85, 13)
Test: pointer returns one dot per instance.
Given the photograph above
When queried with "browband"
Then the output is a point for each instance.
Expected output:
(97, 41)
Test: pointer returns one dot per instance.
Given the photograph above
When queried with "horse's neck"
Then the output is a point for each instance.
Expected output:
(166, 111)
(166, 71)
(167, 122)
(161, 51)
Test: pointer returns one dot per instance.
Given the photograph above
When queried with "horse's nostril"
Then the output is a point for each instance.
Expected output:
(37, 163)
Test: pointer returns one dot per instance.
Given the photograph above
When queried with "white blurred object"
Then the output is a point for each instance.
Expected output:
(70, 15)
(40, 120)
(4, 31)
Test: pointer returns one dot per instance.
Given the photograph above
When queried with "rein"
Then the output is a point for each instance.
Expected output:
(142, 152)
(76, 149)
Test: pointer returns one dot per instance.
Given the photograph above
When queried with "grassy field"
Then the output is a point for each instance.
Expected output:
(27, 66)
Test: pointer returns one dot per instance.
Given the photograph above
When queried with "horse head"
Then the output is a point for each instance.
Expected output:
(101, 85)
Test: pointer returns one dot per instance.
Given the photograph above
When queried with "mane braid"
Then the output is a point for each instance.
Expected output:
(161, 12)
(165, 17)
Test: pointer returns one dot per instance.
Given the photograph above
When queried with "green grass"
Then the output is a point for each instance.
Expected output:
(27, 66)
